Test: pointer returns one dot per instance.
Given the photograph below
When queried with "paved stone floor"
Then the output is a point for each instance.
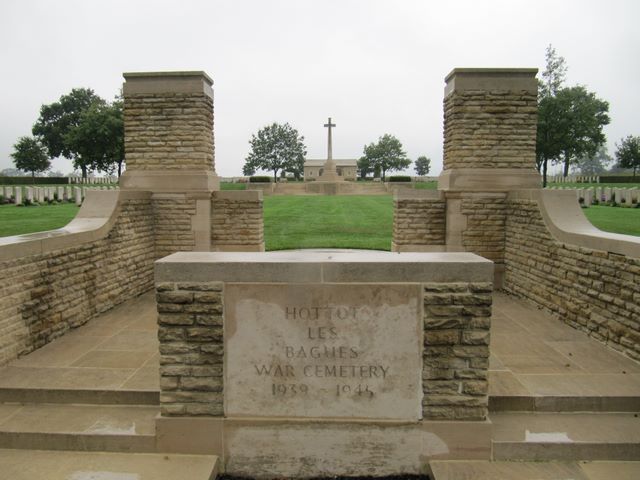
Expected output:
(116, 351)
(533, 354)
(537, 363)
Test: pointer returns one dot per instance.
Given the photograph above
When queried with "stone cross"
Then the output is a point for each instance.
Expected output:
(329, 125)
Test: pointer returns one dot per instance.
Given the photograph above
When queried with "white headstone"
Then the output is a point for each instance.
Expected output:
(77, 195)
(18, 196)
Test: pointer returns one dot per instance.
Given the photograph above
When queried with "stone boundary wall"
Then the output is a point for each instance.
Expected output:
(59, 280)
(592, 289)
(190, 329)
(237, 221)
(457, 321)
(419, 221)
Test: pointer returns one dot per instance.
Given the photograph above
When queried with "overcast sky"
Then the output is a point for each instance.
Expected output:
(375, 67)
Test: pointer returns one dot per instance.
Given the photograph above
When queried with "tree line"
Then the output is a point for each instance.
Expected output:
(81, 127)
(280, 149)
(570, 126)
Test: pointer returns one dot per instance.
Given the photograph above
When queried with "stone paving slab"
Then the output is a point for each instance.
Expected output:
(117, 351)
(533, 356)
(40, 464)
(485, 470)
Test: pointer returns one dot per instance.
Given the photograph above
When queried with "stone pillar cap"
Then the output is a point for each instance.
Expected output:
(168, 82)
(513, 79)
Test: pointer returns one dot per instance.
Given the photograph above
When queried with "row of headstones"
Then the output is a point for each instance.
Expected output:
(574, 179)
(93, 180)
(586, 196)
(21, 195)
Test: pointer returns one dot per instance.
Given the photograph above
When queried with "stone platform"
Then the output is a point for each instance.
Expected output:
(555, 394)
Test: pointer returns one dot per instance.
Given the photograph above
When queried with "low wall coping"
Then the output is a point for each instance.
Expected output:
(323, 266)
(167, 82)
(238, 195)
(418, 194)
(491, 79)
(567, 223)
(93, 222)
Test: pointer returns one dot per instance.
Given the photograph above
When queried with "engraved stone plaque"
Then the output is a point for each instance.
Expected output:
(323, 350)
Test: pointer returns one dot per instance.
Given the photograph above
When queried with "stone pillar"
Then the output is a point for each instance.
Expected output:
(490, 120)
(169, 151)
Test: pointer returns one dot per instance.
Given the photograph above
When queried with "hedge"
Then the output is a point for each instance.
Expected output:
(619, 179)
(34, 180)
(260, 179)
(400, 178)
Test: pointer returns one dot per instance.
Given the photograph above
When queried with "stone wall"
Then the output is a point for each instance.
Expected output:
(457, 320)
(490, 129)
(190, 329)
(173, 217)
(595, 291)
(164, 131)
(484, 231)
(237, 222)
(43, 295)
(418, 222)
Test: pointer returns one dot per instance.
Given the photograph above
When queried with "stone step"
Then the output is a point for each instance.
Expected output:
(522, 403)
(485, 470)
(105, 428)
(35, 464)
(81, 396)
(565, 436)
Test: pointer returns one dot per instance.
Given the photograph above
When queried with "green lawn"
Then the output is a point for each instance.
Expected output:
(614, 219)
(308, 221)
(426, 185)
(328, 221)
(19, 220)
(590, 185)
(232, 186)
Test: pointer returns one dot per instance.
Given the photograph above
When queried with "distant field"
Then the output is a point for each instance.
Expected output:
(308, 221)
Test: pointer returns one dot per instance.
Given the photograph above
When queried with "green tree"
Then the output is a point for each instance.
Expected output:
(364, 167)
(585, 116)
(30, 155)
(276, 147)
(59, 118)
(570, 120)
(594, 164)
(422, 165)
(387, 155)
(98, 138)
(553, 75)
(628, 153)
